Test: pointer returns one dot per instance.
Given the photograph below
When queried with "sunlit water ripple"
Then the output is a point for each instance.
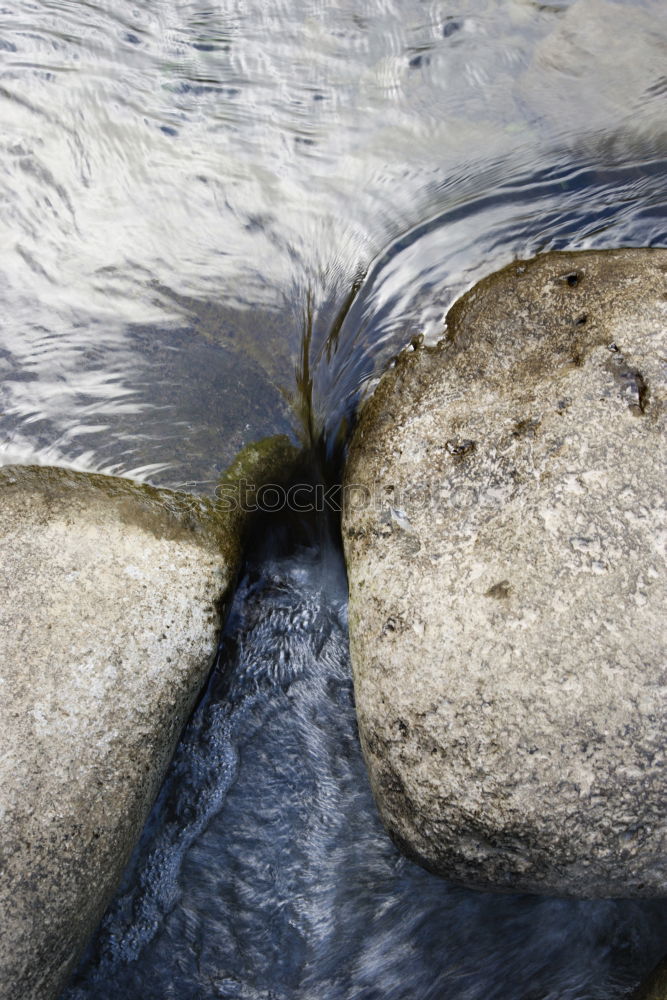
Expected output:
(179, 180)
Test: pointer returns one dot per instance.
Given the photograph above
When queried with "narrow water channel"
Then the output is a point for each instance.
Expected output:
(219, 221)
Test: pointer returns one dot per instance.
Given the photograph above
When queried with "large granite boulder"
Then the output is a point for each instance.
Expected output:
(505, 536)
(111, 602)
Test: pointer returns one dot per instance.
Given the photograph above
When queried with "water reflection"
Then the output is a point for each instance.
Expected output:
(181, 183)
(411, 285)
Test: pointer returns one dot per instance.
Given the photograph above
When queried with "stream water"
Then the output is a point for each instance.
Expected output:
(219, 220)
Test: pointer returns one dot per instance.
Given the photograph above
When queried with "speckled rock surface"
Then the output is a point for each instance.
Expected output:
(505, 545)
(110, 609)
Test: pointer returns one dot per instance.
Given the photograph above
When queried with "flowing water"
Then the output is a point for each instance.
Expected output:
(190, 192)
(219, 220)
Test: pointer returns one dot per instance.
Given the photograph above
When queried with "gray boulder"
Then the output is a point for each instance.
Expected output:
(111, 603)
(505, 532)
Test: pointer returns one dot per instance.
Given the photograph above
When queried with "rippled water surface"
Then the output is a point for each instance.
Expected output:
(192, 192)
(218, 221)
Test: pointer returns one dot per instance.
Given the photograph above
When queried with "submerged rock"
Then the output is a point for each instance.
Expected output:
(110, 611)
(505, 546)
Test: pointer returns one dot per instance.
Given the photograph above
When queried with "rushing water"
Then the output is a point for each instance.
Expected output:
(218, 221)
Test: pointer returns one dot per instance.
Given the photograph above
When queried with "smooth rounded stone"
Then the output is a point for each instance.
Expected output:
(505, 530)
(111, 604)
